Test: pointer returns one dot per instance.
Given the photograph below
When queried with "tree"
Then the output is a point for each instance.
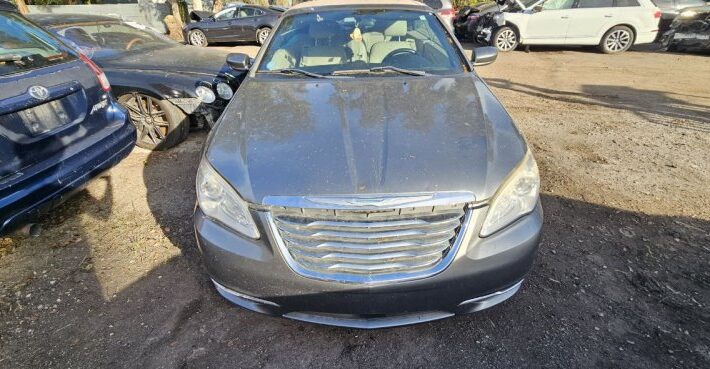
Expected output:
(196, 4)
(175, 9)
(22, 7)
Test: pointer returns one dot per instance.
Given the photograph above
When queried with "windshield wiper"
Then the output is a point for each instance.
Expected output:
(292, 71)
(386, 68)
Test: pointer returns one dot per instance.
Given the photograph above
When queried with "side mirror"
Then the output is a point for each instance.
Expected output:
(484, 55)
(239, 61)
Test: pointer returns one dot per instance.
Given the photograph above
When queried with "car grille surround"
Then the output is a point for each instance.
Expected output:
(352, 245)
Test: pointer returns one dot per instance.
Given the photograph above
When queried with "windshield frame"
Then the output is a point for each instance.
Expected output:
(456, 45)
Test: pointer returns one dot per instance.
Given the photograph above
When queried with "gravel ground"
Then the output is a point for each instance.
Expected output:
(621, 280)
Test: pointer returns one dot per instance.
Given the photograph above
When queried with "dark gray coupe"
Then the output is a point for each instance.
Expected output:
(364, 175)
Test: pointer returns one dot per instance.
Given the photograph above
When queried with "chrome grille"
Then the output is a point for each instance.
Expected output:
(364, 246)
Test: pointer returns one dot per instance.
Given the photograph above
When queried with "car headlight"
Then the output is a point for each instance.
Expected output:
(688, 13)
(219, 201)
(205, 94)
(224, 91)
(515, 198)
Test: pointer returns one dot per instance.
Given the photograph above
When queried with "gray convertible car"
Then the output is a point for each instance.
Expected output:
(364, 175)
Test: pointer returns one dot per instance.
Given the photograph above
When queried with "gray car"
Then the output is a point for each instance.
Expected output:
(364, 175)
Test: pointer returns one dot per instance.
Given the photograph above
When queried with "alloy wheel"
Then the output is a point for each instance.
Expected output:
(618, 40)
(262, 35)
(506, 40)
(150, 120)
(198, 38)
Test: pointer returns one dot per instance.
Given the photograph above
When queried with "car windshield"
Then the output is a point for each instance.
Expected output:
(352, 41)
(108, 38)
(24, 46)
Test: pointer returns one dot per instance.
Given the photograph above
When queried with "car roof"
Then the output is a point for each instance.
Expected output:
(56, 20)
(354, 3)
(7, 6)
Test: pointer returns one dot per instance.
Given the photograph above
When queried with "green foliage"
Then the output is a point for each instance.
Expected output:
(458, 4)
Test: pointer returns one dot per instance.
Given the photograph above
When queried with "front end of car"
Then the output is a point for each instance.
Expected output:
(369, 261)
(689, 30)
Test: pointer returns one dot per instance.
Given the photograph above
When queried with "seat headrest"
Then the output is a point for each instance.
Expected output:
(321, 30)
(397, 28)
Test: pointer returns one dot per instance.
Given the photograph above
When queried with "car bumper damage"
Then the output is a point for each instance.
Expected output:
(256, 275)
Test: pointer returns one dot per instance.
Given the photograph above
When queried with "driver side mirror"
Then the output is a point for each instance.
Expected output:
(484, 55)
(239, 61)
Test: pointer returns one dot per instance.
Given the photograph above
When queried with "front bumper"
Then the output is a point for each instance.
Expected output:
(253, 274)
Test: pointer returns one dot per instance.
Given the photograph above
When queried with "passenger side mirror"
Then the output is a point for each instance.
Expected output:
(239, 61)
(484, 55)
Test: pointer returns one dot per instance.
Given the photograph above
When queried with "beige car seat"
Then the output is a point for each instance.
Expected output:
(322, 52)
(395, 39)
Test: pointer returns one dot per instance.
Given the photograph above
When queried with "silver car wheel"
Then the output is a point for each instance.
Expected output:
(507, 40)
(198, 38)
(618, 40)
(262, 35)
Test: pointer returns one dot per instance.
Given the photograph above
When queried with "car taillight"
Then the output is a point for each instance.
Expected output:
(100, 75)
(657, 13)
(447, 13)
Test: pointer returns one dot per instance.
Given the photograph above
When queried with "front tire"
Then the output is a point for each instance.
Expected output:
(617, 40)
(262, 34)
(197, 37)
(505, 39)
(160, 125)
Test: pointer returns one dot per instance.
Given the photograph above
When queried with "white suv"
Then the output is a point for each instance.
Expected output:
(614, 25)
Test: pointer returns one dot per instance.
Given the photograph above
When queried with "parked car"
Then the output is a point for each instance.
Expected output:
(235, 23)
(613, 25)
(167, 86)
(366, 186)
(670, 9)
(690, 30)
(59, 124)
(467, 18)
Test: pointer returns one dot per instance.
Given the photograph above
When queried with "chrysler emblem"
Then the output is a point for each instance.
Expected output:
(38, 92)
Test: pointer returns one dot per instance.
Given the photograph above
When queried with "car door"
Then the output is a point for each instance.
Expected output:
(548, 22)
(220, 29)
(589, 19)
(246, 22)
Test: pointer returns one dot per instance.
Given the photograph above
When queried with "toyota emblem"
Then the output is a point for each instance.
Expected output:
(38, 92)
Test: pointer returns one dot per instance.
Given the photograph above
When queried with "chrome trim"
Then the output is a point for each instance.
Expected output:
(463, 236)
(248, 302)
(371, 201)
(484, 302)
(355, 321)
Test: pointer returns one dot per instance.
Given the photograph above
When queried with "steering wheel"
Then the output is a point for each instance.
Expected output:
(397, 53)
(130, 44)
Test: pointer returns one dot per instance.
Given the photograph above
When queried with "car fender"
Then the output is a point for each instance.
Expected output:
(627, 22)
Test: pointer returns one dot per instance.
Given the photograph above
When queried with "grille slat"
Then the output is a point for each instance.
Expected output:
(365, 245)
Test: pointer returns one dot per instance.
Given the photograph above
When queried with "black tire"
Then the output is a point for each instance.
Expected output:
(160, 125)
(197, 38)
(617, 40)
(262, 34)
(505, 39)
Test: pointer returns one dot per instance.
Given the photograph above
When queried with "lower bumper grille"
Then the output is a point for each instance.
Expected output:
(366, 246)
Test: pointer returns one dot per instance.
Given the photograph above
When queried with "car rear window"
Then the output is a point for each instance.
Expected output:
(626, 3)
(434, 4)
(24, 46)
(595, 3)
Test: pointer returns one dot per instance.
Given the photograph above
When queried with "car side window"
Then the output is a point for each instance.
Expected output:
(626, 3)
(664, 4)
(595, 3)
(224, 14)
(246, 12)
(557, 4)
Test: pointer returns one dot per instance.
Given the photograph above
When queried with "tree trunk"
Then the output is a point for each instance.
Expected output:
(22, 7)
(197, 5)
(175, 9)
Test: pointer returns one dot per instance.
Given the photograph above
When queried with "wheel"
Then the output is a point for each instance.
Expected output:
(262, 34)
(618, 39)
(505, 39)
(197, 37)
(160, 125)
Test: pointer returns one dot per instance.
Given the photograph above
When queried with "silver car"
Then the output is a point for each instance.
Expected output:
(364, 175)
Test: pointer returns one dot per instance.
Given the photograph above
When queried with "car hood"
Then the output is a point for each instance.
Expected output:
(176, 59)
(380, 135)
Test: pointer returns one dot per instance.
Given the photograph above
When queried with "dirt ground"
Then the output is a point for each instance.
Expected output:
(622, 278)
